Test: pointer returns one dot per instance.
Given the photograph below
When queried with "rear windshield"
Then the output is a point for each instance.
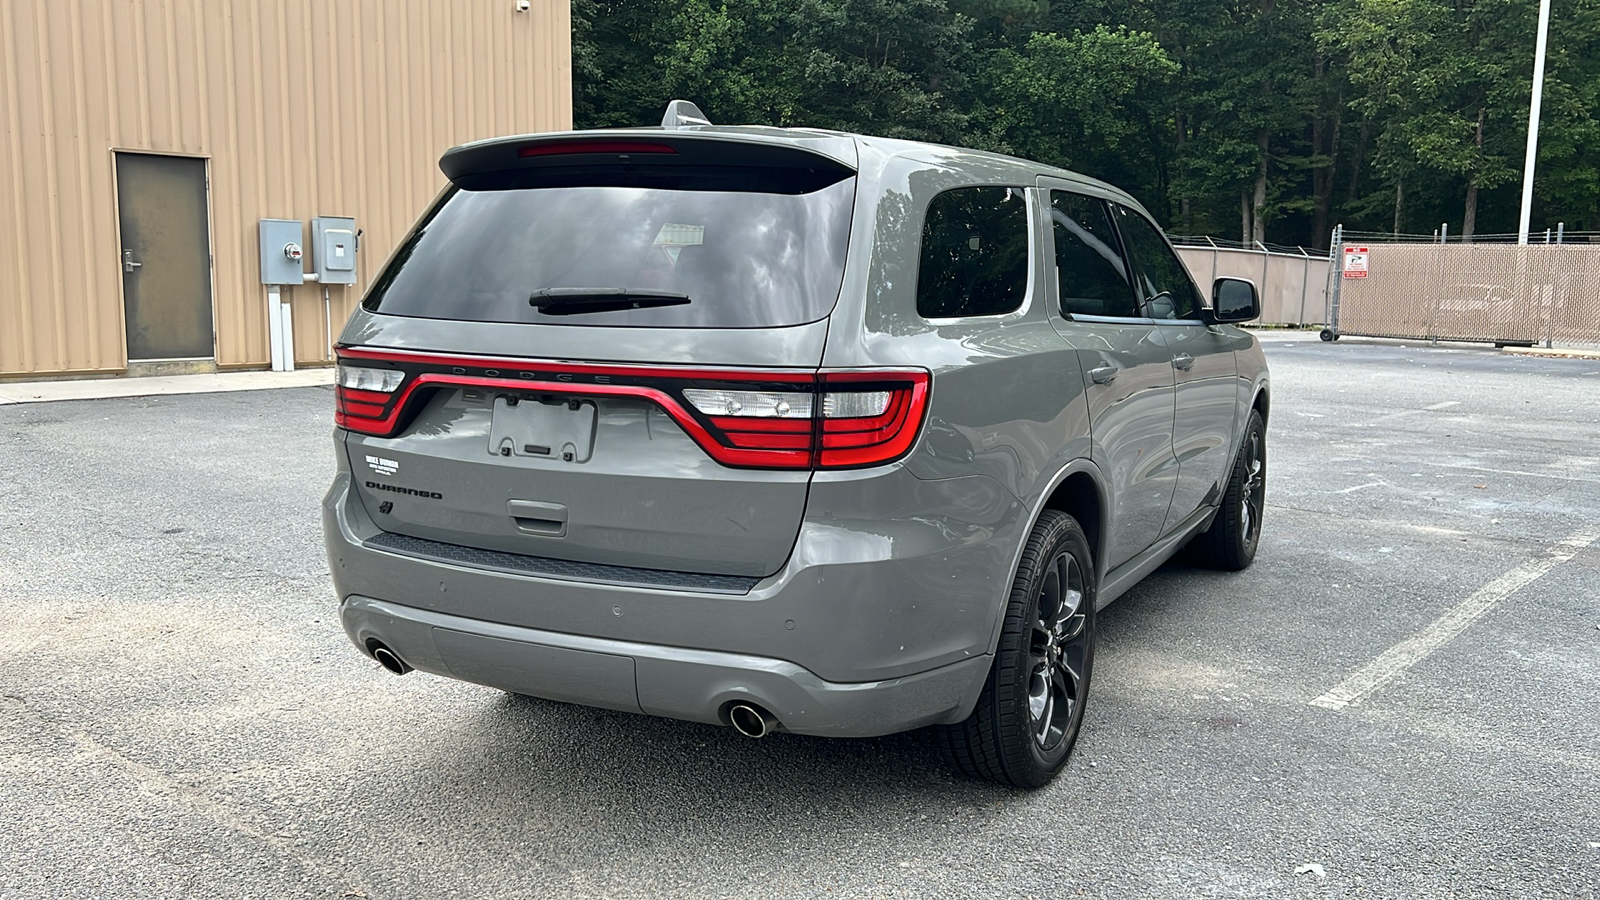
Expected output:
(741, 258)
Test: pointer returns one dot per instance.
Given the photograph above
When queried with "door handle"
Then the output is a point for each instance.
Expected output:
(533, 517)
(128, 265)
(1183, 361)
(1103, 374)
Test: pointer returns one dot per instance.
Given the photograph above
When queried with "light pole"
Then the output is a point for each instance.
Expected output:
(1533, 121)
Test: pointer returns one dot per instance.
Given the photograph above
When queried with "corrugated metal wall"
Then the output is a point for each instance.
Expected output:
(1293, 287)
(303, 107)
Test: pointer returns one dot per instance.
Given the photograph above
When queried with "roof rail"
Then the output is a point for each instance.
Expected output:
(682, 112)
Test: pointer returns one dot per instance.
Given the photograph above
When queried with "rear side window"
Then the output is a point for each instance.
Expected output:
(1162, 278)
(1089, 266)
(974, 253)
(646, 255)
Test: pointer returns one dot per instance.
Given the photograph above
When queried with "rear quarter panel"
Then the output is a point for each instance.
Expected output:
(1007, 400)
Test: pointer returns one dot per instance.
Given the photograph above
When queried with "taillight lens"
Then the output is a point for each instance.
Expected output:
(865, 418)
(861, 404)
(362, 378)
(745, 418)
(750, 404)
(366, 395)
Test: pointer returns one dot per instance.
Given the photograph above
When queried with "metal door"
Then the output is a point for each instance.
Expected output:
(165, 256)
(1128, 379)
(1207, 407)
(1202, 361)
(1126, 368)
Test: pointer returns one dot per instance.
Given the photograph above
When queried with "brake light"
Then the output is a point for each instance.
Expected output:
(856, 427)
(865, 420)
(563, 148)
(364, 395)
(745, 418)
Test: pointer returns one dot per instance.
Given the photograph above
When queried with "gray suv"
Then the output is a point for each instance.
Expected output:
(784, 429)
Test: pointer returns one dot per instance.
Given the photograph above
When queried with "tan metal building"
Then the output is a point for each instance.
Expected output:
(143, 140)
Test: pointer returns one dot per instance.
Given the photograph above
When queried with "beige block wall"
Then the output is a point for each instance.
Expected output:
(302, 108)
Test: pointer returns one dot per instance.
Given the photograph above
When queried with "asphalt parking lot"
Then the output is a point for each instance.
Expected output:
(1401, 698)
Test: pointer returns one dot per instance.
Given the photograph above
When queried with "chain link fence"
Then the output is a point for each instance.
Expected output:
(1488, 292)
(1438, 288)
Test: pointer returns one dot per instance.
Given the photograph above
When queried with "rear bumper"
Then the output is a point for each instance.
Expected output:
(676, 682)
(874, 625)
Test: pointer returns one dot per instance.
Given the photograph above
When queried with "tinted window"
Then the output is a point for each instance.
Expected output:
(974, 253)
(1089, 266)
(745, 259)
(1160, 276)
(1162, 279)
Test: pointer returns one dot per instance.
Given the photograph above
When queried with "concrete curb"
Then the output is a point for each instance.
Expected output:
(160, 385)
(1557, 352)
(1276, 335)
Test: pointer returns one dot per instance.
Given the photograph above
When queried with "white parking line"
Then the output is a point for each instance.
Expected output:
(1413, 650)
(1351, 490)
(1555, 475)
(1401, 414)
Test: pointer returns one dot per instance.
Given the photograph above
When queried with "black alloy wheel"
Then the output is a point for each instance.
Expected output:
(1235, 534)
(1031, 710)
(1057, 653)
(1253, 496)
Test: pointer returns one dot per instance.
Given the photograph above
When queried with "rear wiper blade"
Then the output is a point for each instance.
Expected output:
(569, 301)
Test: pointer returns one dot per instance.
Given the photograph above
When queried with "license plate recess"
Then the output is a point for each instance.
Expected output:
(559, 430)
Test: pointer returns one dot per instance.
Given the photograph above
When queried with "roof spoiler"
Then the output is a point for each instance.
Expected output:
(681, 113)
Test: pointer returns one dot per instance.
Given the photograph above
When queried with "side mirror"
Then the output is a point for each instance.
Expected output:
(1234, 300)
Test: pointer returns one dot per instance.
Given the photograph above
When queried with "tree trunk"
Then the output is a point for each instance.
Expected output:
(1182, 128)
(1244, 217)
(1469, 217)
(1322, 179)
(1355, 166)
(1399, 201)
(1258, 224)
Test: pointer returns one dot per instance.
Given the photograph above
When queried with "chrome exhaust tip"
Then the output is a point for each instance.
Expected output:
(388, 659)
(751, 721)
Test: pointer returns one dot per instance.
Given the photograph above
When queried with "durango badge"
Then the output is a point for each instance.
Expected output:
(413, 492)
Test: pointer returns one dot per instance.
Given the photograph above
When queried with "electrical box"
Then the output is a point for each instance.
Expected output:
(281, 251)
(334, 255)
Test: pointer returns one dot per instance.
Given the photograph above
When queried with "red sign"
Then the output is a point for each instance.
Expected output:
(1355, 262)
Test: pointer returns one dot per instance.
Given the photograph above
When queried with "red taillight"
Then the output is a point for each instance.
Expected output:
(865, 440)
(850, 419)
(745, 418)
(563, 148)
(366, 395)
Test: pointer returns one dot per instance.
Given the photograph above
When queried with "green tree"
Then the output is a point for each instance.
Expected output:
(1086, 100)
(1568, 186)
(1276, 118)
(1449, 82)
(874, 66)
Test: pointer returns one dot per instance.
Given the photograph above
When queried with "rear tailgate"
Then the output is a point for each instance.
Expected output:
(515, 382)
(592, 469)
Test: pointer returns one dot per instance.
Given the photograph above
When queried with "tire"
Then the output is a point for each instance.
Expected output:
(1231, 541)
(1329, 335)
(1030, 712)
